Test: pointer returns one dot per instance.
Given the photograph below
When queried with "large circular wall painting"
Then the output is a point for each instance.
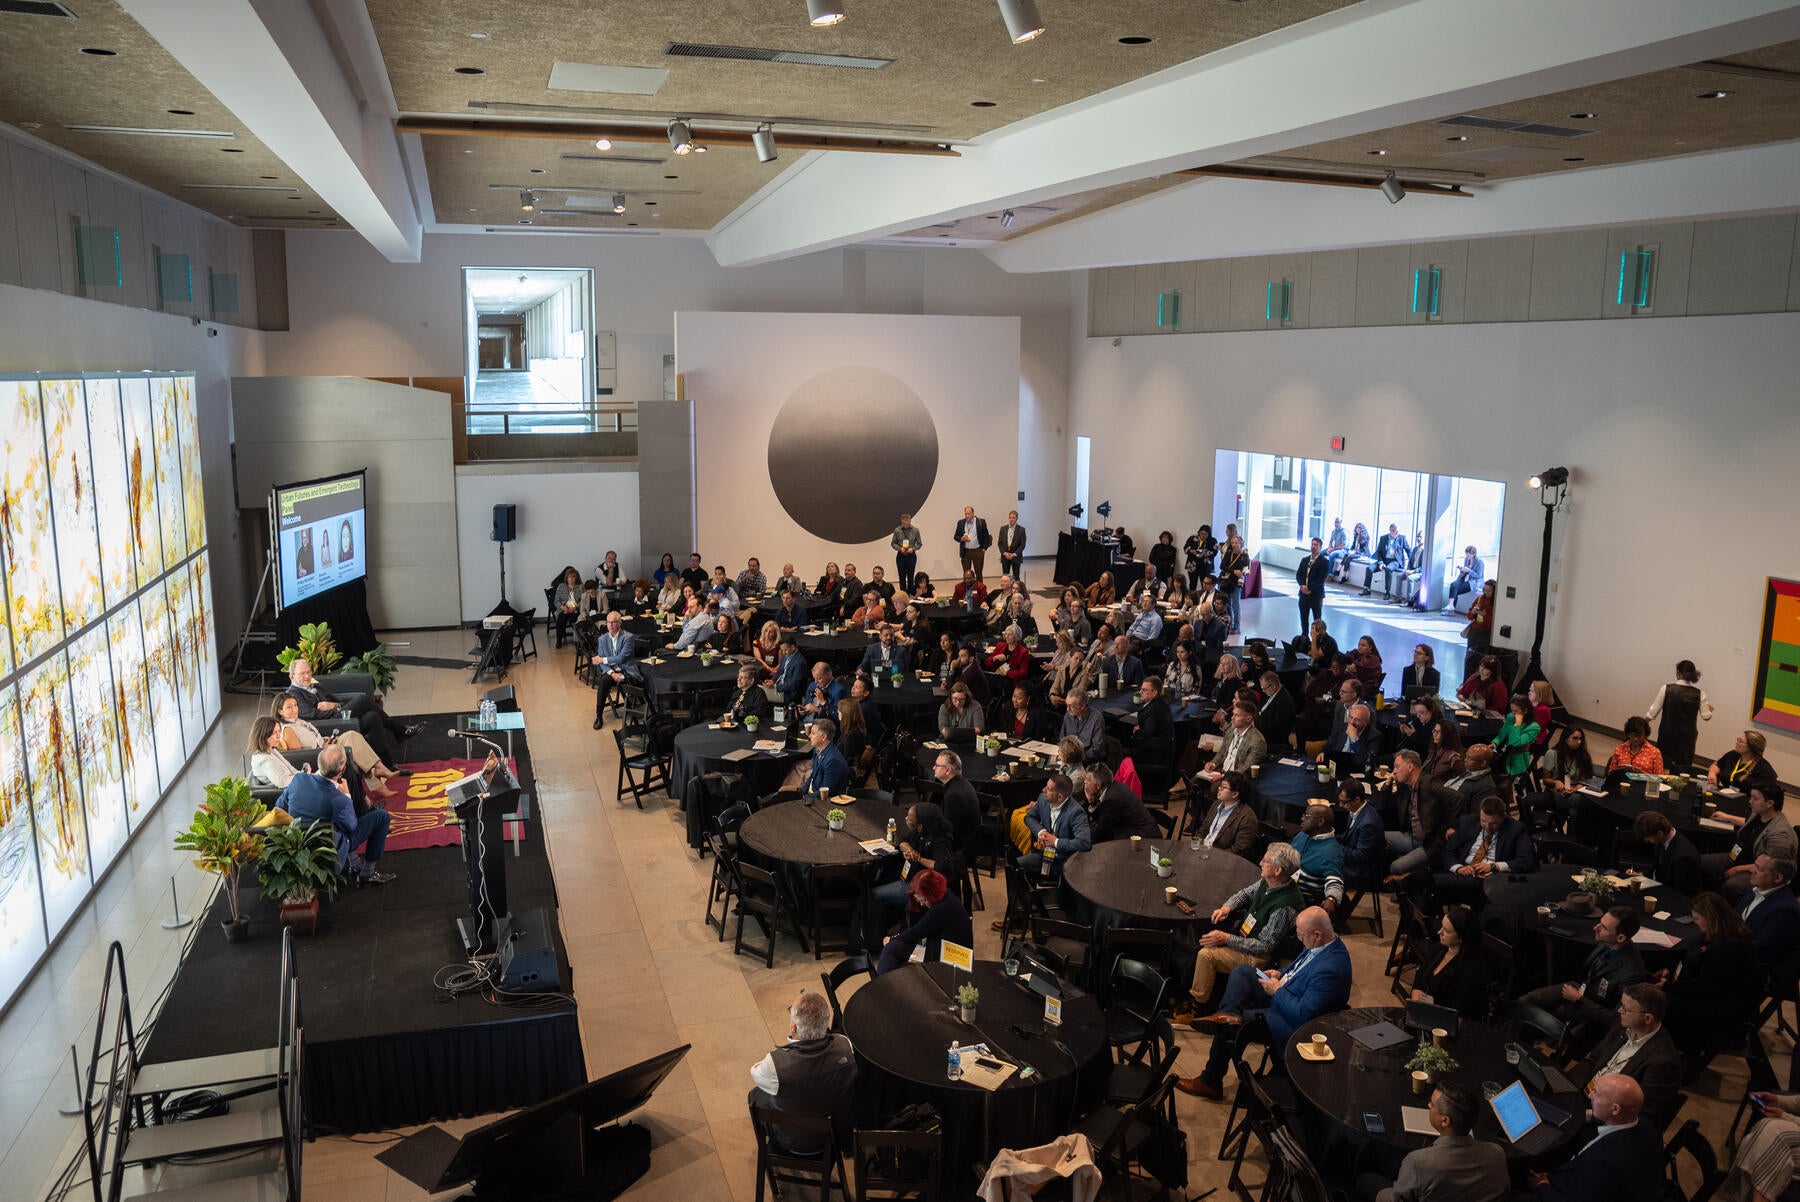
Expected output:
(851, 450)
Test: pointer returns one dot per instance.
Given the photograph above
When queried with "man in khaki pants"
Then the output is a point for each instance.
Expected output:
(1248, 928)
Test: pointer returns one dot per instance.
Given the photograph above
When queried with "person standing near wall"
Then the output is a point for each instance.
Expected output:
(1682, 706)
(906, 542)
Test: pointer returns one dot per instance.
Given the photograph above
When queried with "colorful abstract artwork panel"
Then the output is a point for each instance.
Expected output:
(1776, 701)
(193, 493)
(203, 640)
(112, 492)
(166, 413)
(131, 709)
(72, 498)
(35, 609)
(160, 665)
(22, 935)
(140, 479)
(54, 763)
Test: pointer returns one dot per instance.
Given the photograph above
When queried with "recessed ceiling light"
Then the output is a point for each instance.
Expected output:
(468, 152)
(602, 143)
(478, 35)
(650, 204)
(1040, 81)
(265, 177)
(1582, 116)
(671, 177)
(97, 52)
(1712, 95)
(470, 71)
(1457, 138)
(981, 104)
(1135, 40)
(471, 210)
(1576, 159)
(181, 112)
(1378, 152)
(296, 198)
(524, 221)
(631, 223)
(699, 149)
(313, 212)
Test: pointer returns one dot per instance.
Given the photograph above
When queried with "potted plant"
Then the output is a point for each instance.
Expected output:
(378, 663)
(1596, 886)
(1431, 1060)
(993, 746)
(315, 646)
(834, 819)
(706, 657)
(751, 722)
(299, 862)
(1164, 866)
(222, 842)
(966, 997)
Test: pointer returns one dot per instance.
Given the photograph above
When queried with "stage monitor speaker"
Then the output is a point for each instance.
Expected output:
(503, 698)
(506, 523)
(528, 958)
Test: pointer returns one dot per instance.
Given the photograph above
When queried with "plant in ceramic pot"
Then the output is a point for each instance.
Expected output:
(1596, 885)
(966, 998)
(220, 837)
(1431, 1060)
(298, 864)
(834, 818)
(751, 722)
(1165, 866)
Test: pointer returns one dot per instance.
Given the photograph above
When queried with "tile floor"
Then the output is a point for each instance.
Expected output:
(647, 970)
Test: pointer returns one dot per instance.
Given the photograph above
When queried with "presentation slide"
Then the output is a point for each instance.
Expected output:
(319, 535)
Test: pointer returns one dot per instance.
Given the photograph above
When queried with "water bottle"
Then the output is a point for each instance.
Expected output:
(955, 1064)
(1044, 861)
(892, 833)
(487, 714)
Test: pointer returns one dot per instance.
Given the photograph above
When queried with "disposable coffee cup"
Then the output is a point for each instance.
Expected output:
(1318, 1042)
(1649, 903)
(1169, 896)
(1255, 771)
(1421, 1083)
(1543, 913)
(1136, 842)
(1440, 1036)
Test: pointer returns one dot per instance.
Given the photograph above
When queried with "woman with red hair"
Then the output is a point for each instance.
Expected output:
(933, 915)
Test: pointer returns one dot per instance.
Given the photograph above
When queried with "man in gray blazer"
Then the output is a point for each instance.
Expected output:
(1456, 1166)
(1012, 546)
(1229, 825)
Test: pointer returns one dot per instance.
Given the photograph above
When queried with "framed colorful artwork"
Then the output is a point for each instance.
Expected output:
(1776, 701)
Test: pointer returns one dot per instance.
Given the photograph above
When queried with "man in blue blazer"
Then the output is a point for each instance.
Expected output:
(1773, 915)
(1316, 983)
(1364, 837)
(1622, 1163)
(1483, 844)
(615, 658)
(830, 771)
(790, 673)
(323, 796)
(884, 655)
(1056, 821)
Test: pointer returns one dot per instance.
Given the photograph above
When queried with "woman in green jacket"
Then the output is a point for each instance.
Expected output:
(1517, 735)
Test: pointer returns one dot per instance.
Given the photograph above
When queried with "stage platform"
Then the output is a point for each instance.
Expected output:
(384, 1047)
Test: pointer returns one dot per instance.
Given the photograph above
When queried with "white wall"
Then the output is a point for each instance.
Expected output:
(1681, 435)
(569, 512)
(742, 367)
(44, 331)
(354, 313)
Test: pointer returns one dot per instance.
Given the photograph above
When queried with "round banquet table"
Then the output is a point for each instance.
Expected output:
(1600, 820)
(913, 699)
(1024, 781)
(674, 674)
(954, 618)
(842, 649)
(1292, 672)
(644, 630)
(1115, 876)
(1568, 938)
(1290, 788)
(808, 603)
(701, 748)
(1358, 1081)
(902, 1025)
(796, 833)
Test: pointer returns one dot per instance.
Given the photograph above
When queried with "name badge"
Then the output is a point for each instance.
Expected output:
(1737, 849)
(1248, 925)
(1053, 1012)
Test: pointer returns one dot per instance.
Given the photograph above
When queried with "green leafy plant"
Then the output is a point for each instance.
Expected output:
(220, 836)
(299, 862)
(1166, 862)
(1595, 883)
(967, 996)
(834, 815)
(378, 663)
(315, 646)
(1429, 1058)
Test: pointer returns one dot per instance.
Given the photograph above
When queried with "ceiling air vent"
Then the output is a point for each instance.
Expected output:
(610, 158)
(1517, 127)
(752, 54)
(34, 8)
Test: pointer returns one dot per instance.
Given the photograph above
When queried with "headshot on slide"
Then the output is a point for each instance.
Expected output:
(346, 544)
(303, 555)
(325, 556)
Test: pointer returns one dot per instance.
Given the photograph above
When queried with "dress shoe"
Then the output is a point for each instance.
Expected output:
(999, 924)
(1199, 1087)
(1221, 1018)
(373, 877)
(413, 729)
(599, 722)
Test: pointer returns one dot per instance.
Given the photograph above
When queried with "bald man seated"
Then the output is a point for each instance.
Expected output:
(1623, 1162)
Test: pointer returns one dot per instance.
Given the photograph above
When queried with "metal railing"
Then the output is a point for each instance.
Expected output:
(533, 418)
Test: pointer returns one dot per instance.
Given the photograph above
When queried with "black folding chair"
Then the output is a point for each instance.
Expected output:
(897, 1164)
(777, 1167)
(844, 971)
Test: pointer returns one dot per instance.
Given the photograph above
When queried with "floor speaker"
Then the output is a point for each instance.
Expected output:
(528, 959)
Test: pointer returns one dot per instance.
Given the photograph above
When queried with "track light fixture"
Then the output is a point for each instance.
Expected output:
(1550, 477)
(618, 205)
(1022, 21)
(1393, 189)
(681, 136)
(527, 202)
(602, 143)
(764, 141)
(824, 12)
(1007, 218)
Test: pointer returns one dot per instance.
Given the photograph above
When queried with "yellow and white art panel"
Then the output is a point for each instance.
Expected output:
(72, 501)
(22, 936)
(97, 739)
(140, 478)
(53, 762)
(112, 492)
(35, 599)
(131, 708)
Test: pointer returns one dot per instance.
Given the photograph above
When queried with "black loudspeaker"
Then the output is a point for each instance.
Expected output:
(504, 700)
(528, 959)
(506, 523)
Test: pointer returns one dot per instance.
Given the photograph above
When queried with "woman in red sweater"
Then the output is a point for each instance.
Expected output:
(1485, 686)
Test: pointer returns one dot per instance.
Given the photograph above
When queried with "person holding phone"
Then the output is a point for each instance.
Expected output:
(1764, 1166)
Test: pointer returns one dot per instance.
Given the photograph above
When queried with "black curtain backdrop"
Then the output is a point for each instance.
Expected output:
(345, 607)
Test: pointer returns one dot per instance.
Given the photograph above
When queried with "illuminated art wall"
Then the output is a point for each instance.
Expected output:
(108, 672)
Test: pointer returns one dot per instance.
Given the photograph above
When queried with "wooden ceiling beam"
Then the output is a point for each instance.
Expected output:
(658, 135)
(1325, 181)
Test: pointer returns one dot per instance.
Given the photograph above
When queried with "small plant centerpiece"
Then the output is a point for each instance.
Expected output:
(966, 997)
(991, 745)
(298, 865)
(1596, 884)
(222, 842)
(751, 722)
(1164, 866)
(834, 819)
(1431, 1060)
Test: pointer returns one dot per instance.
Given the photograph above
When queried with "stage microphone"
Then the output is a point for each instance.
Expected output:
(469, 734)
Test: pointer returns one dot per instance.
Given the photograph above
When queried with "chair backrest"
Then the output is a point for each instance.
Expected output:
(898, 1164)
(1136, 988)
(1502, 963)
(880, 795)
(847, 969)
(787, 1168)
(1303, 1180)
(1147, 945)
(1517, 1018)
(1762, 1073)
(1558, 849)
(1706, 1164)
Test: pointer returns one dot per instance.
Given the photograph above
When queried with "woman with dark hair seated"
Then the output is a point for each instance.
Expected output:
(1565, 769)
(1484, 689)
(1637, 753)
(1719, 982)
(1744, 765)
(933, 914)
(1460, 977)
(565, 603)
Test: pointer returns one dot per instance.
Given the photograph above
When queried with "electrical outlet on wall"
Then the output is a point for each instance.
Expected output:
(1506, 632)
(1511, 592)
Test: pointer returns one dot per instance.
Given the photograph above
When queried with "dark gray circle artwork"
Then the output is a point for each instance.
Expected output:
(850, 451)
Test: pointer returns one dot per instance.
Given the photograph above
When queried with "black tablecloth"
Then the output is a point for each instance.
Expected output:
(1024, 782)
(1568, 938)
(902, 1026)
(681, 675)
(700, 749)
(1600, 819)
(843, 650)
(913, 694)
(796, 833)
(1119, 877)
(1285, 789)
(1358, 1081)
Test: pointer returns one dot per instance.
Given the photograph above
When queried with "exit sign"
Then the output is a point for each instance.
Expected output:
(1337, 442)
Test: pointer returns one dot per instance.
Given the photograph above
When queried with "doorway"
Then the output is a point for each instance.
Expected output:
(528, 335)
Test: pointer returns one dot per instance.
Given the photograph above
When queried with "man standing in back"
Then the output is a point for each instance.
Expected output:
(1012, 546)
(906, 541)
(972, 541)
(1310, 576)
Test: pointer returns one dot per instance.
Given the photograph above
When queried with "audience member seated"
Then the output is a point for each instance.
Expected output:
(1101, 594)
(1317, 982)
(1473, 786)
(823, 694)
(297, 734)
(1403, 587)
(970, 593)
(1320, 646)
(790, 676)
(614, 662)
(789, 615)
(696, 626)
(1766, 832)
(1356, 745)
(1228, 678)
(828, 584)
(1459, 977)
(1365, 664)
(1359, 553)
(1364, 837)
(1276, 717)
(1415, 815)
(934, 913)
(1763, 1169)
(960, 717)
(1484, 843)
(1058, 827)
(1075, 675)
(828, 772)
(1020, 719)
(749, 701)
(1637, 753)
(1744, 765)
(789, 581)
(1153, 742)
(567, 601)
(1123, 669)
(1622, 1163)
(1772, 913)
(665, 569)
(324, 796)
(1674, 861)
(1421, 676)
(873, 613)
(1248, 929)
(854, 741)
(1115, 812)
(766, 650)
(385, 734)
(695, 575)
(1719, 980)
(1321, 875)
(968, 673)
(1182, 675)
(1484, 690)
(862, 692)
(1586, 1004)
(1469, 578)
(926, 840)
(1640, 1047)
(751, 582)
(1146, 624)
(923, 589)
(1242, 746)
(1513, 744)
(642, 600)
(961, 804)
(670, 595)
(1455, 1167)
(1011, 659)
(1229, 824)
(814, 1074)
(1565, 769)
(1083, 722)
(885, 655)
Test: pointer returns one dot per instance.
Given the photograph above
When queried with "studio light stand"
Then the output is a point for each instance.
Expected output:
(1553, 487)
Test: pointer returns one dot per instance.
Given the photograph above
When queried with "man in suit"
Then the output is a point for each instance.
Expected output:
(961, 804)
(1484, 843)
(1114, 811)
(1613, 964)
(1310, 576)
(972, 541)
(1058, 825)
(1012, 546)
(1363, 838)
(1390, 556)
(1229, 824)
(1674, 861)
(614, 659)
(1356, 739)
(1476, 783)
(829, 769)
(324, 796)
(1773, 915)
(1456, 1167)
(823, 694)
(1276, 718)
(749, 701)
(885, 654)
(1415, 822)
(1641, 1048)
(1154, 739)
(1622, 1163)
(1241, 746)
(790, 672)
(1316, 983)
(1403, 585)
(384, 734)
(1082, 721)
(1124, 669)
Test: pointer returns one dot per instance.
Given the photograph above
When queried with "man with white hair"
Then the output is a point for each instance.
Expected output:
(384, 734)
(1317, 982)
(1252, 923)
(814, 1073)
(324, 796)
